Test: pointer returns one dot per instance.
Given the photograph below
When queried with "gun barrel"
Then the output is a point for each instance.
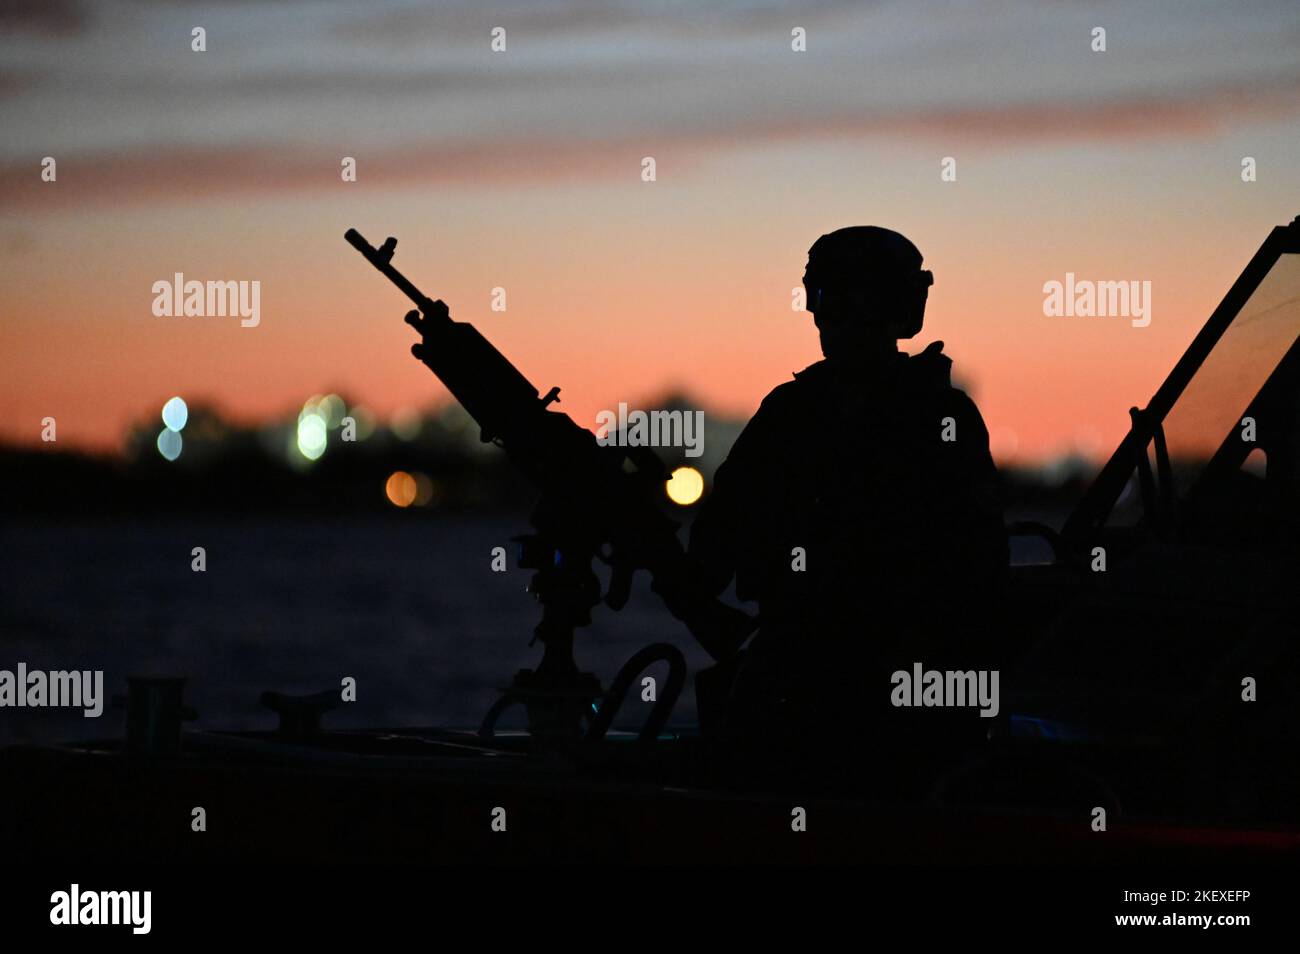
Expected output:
(383, 262)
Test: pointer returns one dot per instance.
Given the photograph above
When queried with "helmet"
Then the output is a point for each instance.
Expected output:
(867, 260)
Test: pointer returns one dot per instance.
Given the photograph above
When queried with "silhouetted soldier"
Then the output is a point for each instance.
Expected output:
(860, 508)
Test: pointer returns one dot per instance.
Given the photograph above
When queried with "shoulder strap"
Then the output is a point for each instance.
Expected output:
(931, 369)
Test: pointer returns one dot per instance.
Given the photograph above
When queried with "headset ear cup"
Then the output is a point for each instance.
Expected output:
(914, 325)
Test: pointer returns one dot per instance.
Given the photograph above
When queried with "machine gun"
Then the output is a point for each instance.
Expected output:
(597, 502)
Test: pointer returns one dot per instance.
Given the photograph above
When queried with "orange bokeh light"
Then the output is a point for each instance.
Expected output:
(400, 489)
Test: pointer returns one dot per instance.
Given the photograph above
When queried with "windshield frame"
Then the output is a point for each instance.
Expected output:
(1090, 514)
(1233, 451)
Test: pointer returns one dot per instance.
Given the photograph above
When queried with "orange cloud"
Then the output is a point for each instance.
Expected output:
(177, 174)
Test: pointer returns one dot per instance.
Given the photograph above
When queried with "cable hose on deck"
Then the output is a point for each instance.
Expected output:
(664, 701)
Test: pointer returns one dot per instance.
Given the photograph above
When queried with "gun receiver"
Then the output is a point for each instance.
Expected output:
(592, 505)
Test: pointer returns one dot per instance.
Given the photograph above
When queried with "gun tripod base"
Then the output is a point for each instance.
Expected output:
(558, 706)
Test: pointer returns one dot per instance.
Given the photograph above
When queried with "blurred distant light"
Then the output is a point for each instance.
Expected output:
(424, 490)
(1088, 442)
(365, 422)
(401, 489)
(311, 435)
(455, 418)
(332, 409)
(169, 443)
(685, 486)
(175, 414)
(406, 423)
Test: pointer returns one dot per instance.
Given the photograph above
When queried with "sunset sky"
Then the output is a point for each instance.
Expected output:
(522, 169)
